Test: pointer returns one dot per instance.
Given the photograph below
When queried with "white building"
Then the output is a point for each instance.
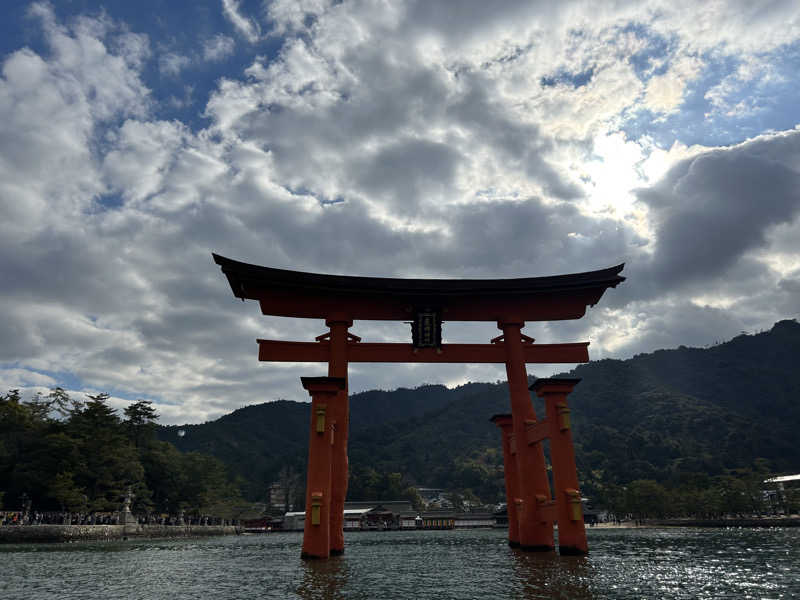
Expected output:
(777, 495)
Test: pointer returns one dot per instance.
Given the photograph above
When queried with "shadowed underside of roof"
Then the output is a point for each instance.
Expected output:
(295, 293)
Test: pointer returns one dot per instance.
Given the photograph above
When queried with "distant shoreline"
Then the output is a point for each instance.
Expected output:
(763, 522)
(45, 534)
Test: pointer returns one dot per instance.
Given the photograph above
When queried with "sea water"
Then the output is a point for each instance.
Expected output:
(457, 564)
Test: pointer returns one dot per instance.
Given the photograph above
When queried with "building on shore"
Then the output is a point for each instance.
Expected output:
(359, 516)
(443, 519)
(783, 493)
(396, 515)
(396, 506)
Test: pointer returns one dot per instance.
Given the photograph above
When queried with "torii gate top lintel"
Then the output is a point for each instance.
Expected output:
(320, 296)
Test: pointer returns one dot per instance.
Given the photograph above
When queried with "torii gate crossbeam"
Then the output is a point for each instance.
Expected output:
(365, 352)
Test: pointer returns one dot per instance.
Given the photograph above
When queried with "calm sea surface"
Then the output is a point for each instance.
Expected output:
(624, 563)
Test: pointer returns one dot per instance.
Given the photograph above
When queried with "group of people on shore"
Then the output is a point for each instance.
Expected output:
(16, 517)
(57, 518)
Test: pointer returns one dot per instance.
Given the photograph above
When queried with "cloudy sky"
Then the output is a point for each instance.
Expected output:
(424, 139)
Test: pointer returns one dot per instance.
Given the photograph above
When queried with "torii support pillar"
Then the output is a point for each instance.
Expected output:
(534, 509)
(571, 528)
(325, 393)
(340, 418)
(504, 422)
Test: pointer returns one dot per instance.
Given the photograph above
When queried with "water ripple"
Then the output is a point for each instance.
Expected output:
(624, 563)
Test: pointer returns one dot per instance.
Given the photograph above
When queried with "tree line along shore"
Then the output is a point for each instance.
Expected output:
(61, 456)
(80, 458)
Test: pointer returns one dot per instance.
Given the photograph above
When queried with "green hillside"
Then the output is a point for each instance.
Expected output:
(671, 416)
(257, 441)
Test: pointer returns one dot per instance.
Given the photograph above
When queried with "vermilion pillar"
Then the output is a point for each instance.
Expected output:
(504, 422)
(535, 530)
(324, 397)
(340, 418)
(571, 529)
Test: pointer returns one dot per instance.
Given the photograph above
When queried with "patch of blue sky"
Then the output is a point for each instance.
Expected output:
(564, 77)
(107, 202)
(646, 63)
(179, 75)
(64, 379)
(744, 109)
(18, 31)
(308, 192)
(687, 125)
(650, 60)
(70, 381)
(770, 101)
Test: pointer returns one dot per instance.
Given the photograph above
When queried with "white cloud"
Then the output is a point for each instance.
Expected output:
(108, 81)
(51, 108)
(244, 25)
(665, 92)
(137, 164)
(291, 16)
(24, 378)
(218, 47)
(172, 63)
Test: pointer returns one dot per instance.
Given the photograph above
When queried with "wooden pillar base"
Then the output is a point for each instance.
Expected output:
(567, 495)
(535, 529)
(340, 419)
(505, 423)
(316, 529)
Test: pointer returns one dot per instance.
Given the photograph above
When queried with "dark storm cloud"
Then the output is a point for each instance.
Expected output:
(520, 145)
(406, 171)
(711, 209)
(524, 238)
(477, 18)
(791, 283)
(509, 238)
(683, 323)
(20, 340)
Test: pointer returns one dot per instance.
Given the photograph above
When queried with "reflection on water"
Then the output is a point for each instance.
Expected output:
(324, 579)
(548, 575)
(441, 565)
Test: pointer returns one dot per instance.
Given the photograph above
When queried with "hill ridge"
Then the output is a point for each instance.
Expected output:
(682, 412)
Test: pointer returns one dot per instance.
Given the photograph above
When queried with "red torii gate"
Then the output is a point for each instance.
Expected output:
(339, 300)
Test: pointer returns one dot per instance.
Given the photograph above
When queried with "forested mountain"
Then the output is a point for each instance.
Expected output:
(673, 416)
(258, 440)
(673, 412)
